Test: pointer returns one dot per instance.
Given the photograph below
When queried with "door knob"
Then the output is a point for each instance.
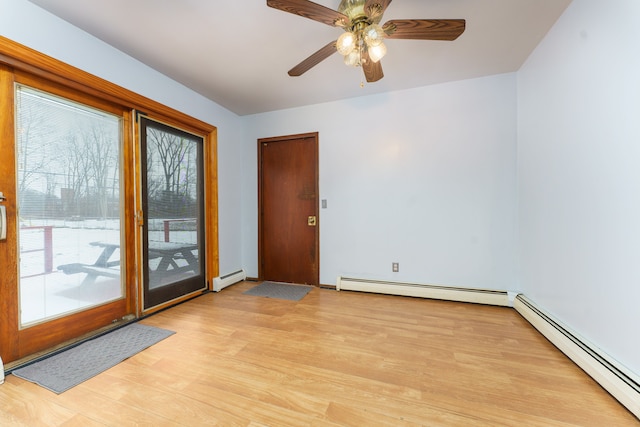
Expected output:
(311, 221)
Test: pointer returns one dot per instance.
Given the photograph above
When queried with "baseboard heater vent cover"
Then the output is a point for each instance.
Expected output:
(479, 296)
(222, 282)
(618, 381)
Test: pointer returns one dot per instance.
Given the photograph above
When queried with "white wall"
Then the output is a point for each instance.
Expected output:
(424, 177)
(579, 174)
(31, 26)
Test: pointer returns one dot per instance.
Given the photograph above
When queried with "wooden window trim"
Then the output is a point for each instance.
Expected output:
(26, 59)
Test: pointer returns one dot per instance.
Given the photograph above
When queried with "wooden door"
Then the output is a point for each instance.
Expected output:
(288, 209)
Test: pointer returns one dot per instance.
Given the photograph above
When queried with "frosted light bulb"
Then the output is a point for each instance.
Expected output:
(353, 58)
(376, 53)
(346, 43)
(373, 35)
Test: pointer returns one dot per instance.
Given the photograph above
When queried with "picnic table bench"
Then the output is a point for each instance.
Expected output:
(93, 271)
(102, 266)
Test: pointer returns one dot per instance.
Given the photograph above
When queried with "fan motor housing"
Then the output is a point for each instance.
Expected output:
(352, 8)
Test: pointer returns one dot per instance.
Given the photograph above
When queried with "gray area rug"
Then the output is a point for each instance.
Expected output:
(279, 290)
(69, 368)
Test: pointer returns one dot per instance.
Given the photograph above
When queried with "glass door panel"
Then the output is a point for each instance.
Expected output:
(173, 211)
(68, 180)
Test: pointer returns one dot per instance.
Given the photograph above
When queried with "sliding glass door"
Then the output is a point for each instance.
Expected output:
(63, 179)
(71, 248)
(173, 213)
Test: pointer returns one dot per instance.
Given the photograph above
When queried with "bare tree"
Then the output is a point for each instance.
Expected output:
(100, 150)
(190, 178)
(76, 165)
(34, 132)
(154, 186)
(91, 165)
(172, 152)
(68, 152)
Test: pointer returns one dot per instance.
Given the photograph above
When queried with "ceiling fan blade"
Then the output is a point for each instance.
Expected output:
(375, 9)
(313, 60)
(424, 29)
(372, 70)
(311, 10)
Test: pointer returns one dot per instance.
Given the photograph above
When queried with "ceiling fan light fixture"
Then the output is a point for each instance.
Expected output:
(353, 58)
(361, 44)
(346, 43)
(376, 53)
(373, 35)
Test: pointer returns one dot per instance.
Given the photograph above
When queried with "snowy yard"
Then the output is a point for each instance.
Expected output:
(48, 295)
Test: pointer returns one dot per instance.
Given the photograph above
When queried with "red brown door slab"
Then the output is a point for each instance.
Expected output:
(288, 209)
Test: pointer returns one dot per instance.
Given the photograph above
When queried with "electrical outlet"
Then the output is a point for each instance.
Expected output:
(395, 267)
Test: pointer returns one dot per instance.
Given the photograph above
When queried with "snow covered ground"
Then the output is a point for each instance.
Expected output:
(49, 295)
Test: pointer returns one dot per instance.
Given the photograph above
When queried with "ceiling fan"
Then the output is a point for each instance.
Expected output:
(362, 42)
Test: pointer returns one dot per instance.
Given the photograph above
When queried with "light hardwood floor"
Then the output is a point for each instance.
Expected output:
(332, 359)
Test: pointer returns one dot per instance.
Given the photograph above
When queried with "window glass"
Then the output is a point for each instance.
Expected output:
(68, 166)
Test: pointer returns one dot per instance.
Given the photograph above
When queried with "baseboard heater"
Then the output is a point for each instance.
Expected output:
(620, 383)
(219, 283)
(479, 296)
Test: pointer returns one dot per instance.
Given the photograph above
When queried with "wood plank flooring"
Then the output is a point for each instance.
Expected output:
(332, 359)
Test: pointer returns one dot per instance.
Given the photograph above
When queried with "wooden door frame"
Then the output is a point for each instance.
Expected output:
(210, 219)
(14, 58)
(313, 136)
(204, 211)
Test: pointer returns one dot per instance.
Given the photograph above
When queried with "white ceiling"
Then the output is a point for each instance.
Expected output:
(237, 52)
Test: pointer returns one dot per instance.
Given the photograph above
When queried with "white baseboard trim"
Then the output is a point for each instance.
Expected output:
(222, 282)
(618, 381)
(479, 296)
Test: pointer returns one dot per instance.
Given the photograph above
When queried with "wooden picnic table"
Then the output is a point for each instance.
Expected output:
(168, 253)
